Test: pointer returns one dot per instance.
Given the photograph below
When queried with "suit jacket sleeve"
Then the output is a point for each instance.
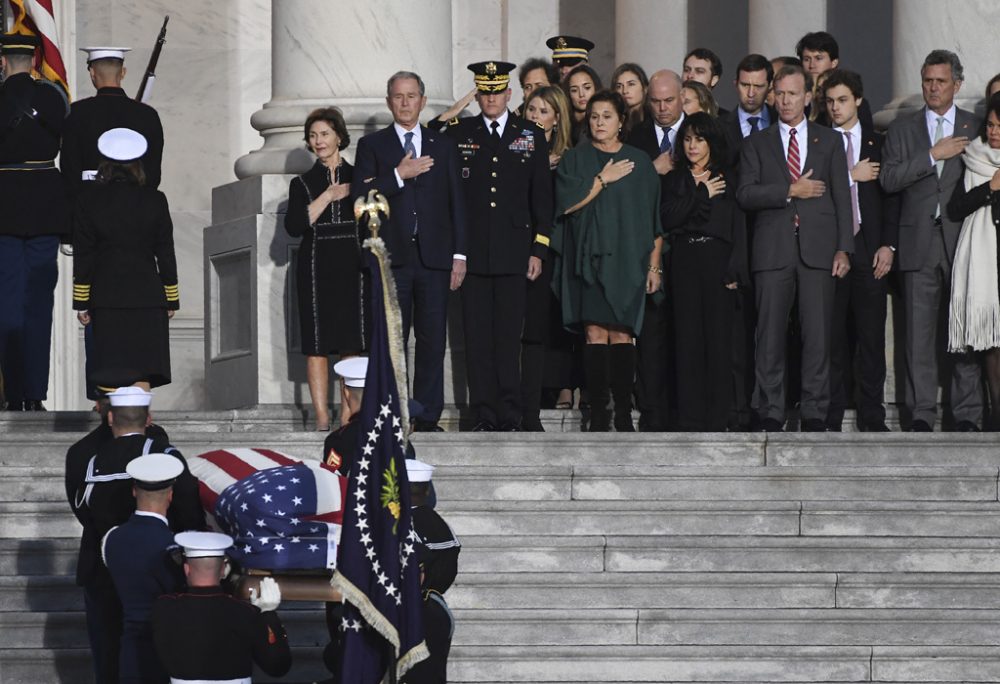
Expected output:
(900, 168)
(840, 192)
(269, 643)
(166, 260)
(84, 256)
(753, 195)
(186, 512)
(456, 198)
(739, 259)
(541, 198)
(369, 175)
(69, 156)
(964, 202)
(153, 159)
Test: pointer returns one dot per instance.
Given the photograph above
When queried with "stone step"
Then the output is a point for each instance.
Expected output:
(800, 554)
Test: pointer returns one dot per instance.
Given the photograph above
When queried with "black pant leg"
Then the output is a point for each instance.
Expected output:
(840, 351)
(509, 292)
(478, 319)
(718, 318)
(687, 287)
(869, 301)
(652, 351)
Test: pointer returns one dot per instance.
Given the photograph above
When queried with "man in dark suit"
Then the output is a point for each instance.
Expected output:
(819, 53)
(417, 171)
(508, 192)
(656, 136)
(35, 218)
(753, 82)
(704, 66)
(861, 297)
(922, 162)
(792, 175)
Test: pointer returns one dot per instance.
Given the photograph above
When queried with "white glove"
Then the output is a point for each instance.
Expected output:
(270, 595)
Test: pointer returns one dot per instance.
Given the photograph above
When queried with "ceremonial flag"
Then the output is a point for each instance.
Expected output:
(377, 571)
(36, 17)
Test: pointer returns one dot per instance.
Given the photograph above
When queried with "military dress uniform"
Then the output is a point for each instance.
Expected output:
(35, 218)
(508, 193)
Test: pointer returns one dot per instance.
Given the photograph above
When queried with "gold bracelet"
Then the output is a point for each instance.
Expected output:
(656, 269)
(601, 181)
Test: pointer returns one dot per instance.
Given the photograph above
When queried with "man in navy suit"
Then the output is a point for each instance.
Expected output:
(417, 171)
(861, 296)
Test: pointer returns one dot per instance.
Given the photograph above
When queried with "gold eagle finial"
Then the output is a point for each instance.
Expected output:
(371, 206)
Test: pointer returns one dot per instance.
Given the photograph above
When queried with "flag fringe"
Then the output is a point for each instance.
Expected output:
(394, 326)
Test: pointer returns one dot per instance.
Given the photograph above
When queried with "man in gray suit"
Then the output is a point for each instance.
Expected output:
(922, 161)
(793, 176)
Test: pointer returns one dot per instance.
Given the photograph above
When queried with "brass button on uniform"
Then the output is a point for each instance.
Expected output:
(495, 159)
(493, 189)
(494, 174)
(493, 204)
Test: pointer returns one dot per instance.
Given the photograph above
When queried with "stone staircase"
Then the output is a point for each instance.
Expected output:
(613, 557)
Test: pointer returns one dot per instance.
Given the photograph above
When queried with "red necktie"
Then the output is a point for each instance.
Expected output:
(794, 164)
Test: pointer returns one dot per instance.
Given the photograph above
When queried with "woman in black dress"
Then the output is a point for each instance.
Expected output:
(707, 235)
(124, 268)
(330, 282)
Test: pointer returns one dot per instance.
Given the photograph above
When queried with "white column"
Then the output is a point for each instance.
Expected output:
(651, 33)
(342, 54)
(776, 25)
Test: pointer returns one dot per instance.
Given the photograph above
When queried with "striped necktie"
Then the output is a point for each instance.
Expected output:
(794, 164)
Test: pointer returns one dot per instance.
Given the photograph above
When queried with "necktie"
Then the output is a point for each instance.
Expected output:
(794, 165)
(408, 146)
(753, 121)
(939, 164)
(665, 143)
(495, 132)
(855, 209)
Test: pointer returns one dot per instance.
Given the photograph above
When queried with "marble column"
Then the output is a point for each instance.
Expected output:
(322, 54)
(920, 26)
(342, 54)
(776, 25)
(651, 33)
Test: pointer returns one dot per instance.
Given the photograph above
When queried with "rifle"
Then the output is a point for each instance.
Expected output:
(146, 87)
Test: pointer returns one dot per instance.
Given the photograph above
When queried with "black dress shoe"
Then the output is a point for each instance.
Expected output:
(510, 427)
(770, 425)
(966, 426)
(876, 427)
(484, 426)
(426, 426)
(813, 425)
(15, 405)
(920, 426)
(33, 405)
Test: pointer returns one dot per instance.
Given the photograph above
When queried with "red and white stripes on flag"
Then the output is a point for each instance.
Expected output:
(37, 17)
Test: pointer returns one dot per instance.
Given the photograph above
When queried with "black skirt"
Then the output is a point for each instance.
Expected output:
(129, 345)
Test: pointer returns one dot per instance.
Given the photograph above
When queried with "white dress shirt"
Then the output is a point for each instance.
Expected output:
(802, 136)
(502, 120)
(948, 127)
(672, 129)
(417, 139)
(855, 134)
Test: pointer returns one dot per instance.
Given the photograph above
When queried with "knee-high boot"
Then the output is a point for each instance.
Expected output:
(595, 369)
(622, 365)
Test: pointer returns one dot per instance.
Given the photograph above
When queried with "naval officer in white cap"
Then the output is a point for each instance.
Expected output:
(109, 108)
(137, 554)
(206, 635)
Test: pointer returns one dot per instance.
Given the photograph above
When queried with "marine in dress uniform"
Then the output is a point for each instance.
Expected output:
(125, 269)
(137, 554)
(438, 554)
(205, 635)
(508, 193)
(101, 499)
(568, 51)
(91, 117)
(341, 446)
(35, 218)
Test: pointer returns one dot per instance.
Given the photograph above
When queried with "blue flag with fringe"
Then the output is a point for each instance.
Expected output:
(377, 569)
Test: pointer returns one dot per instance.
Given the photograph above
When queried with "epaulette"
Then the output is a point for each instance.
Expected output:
(539, 124)
(453, 122)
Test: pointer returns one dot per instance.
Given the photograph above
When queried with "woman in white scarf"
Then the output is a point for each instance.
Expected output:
(974, 320)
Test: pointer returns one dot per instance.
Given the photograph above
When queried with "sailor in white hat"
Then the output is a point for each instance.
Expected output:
(341, 446)
(111, 107)
(204, 634)
(137, 554)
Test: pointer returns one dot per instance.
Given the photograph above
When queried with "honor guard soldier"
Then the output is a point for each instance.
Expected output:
(109, 108)
(102, 498)
(341, 445)
(568, 51)
(137, 554)
(504, 162)
(205, 635)
(35, 217)
(438, 554)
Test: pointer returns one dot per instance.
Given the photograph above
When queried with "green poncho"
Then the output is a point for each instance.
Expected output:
(603, 249)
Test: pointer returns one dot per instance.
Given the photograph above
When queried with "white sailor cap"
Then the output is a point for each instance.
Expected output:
(352, 370)
(154, 472)
(95, 53)
(130, 396)
(418, 471)
(122, 144)
(203, 544)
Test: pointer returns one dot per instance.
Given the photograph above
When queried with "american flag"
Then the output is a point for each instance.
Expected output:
(377, 571)
(36, 17)
(282, 513)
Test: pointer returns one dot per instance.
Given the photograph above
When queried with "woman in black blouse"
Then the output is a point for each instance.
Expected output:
(708, 238)
(330, 282)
